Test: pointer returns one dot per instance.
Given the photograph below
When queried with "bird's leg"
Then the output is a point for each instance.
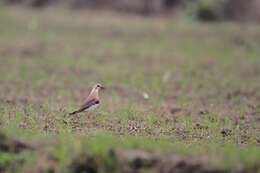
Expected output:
(88, 115)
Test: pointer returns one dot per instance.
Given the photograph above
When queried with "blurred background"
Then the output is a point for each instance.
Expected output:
(204, 10)
(181, 78)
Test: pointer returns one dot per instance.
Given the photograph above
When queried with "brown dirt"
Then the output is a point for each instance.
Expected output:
(16, 146)
(135, 161)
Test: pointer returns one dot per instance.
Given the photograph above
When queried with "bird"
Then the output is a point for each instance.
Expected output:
(91, 102)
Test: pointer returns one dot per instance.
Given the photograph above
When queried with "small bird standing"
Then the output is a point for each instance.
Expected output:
(91, 102)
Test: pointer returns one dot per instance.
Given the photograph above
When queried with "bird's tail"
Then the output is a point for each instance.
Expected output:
(73, 113)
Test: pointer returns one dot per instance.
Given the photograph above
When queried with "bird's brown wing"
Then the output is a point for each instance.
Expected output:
(86, 105)
(89, 103)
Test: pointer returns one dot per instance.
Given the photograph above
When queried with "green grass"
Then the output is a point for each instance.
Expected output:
(49, 59)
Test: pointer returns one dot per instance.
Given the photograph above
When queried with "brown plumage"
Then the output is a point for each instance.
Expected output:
(91, 102)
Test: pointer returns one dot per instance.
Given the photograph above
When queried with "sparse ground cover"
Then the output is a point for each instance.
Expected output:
(173, 86)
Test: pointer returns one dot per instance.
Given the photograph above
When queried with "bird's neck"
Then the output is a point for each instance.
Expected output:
(94, 92)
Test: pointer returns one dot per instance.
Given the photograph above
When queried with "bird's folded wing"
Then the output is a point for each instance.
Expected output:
(88, 104)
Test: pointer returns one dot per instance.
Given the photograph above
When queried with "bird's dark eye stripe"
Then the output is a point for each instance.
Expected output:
(97, 102)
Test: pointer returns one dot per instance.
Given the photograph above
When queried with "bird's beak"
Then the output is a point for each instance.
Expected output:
(102, 87)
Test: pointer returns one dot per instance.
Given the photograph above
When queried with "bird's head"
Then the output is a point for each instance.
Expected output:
(98, 87)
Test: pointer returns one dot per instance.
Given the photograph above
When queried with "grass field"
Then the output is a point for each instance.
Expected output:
(172, 86)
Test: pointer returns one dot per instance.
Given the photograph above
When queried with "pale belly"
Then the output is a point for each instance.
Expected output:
(91, 108)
